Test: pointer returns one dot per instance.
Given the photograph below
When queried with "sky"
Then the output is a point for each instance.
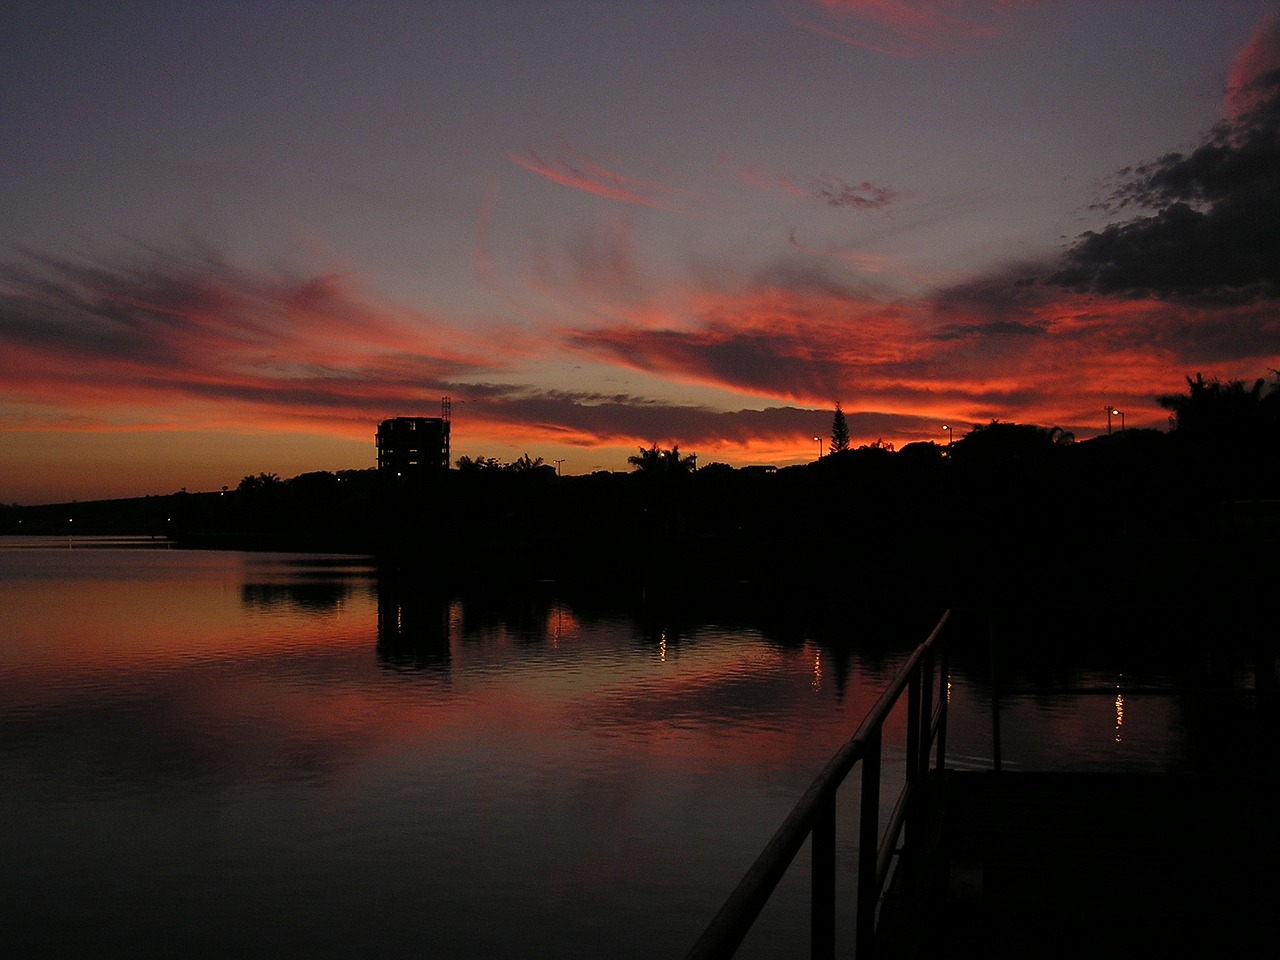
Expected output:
(236, 235)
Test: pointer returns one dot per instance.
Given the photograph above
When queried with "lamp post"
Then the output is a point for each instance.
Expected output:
(557, 463)
(819, 439)
(1112, 411)
(950, 435)
(1121, 413)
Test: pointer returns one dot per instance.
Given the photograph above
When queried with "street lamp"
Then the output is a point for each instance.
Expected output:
(1112, 411)
(557, 463)
(950, 435)
(819, 439)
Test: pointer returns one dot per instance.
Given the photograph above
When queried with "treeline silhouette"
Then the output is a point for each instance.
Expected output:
(1007, 508)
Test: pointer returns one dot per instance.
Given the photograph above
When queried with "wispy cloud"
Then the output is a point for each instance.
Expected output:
(168, 333)
(790, 344)
(1187, 278)
(906, 29)
(191, 341)
(570, 168)
(831, 191)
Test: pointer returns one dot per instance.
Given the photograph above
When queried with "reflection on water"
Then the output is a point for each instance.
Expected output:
(413, 624)
(256, 754)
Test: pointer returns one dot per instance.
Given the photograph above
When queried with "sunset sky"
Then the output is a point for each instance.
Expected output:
(235, 235)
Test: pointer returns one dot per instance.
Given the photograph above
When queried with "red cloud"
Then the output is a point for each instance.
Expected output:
(1259, 57)
(1006, 347)
(582, 173)
(194, 340)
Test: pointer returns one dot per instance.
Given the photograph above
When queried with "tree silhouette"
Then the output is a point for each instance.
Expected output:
(524, 464)
(262, 482)
(1224, 412)
(654, 461)
(1229, 434)
(839, 431)
(647, 461)
(477, 464)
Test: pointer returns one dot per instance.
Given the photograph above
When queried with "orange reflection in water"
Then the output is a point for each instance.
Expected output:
(301, 668)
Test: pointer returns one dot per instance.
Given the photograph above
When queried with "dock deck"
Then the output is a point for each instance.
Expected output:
(1075, 865)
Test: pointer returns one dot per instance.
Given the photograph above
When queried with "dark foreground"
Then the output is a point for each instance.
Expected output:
(1071, 865)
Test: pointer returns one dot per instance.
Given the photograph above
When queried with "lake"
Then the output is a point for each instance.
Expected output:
(256, 754)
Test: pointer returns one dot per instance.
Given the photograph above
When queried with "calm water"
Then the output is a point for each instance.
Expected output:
(217, 753)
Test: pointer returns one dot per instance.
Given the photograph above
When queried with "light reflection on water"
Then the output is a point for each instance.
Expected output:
(217, 753)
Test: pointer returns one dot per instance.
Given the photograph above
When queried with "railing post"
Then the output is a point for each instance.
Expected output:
(917, 746)
(814, 818)
(913, 725)
(868, 847)
(917, 727)
(995, 692)
(926, 718)
(944, 701)
(822, 936)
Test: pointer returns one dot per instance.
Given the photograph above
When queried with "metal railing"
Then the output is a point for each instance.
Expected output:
(924, 678)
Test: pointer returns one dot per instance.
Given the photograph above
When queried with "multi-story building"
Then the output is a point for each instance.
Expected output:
(412, 447)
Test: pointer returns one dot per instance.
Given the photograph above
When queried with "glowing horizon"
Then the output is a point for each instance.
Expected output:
(929, 212)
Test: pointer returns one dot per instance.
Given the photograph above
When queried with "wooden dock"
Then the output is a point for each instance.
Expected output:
(1070, 865)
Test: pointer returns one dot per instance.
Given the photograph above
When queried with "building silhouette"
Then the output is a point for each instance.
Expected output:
(414, 447)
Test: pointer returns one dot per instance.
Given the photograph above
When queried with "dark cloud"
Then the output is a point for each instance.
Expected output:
(1215, 236)
(621, 418)
(50, 303)
(863, 196)
(778, 362)
(1243, 337)
(1005, 303)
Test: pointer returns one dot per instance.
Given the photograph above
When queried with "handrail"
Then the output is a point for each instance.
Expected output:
(815, 814)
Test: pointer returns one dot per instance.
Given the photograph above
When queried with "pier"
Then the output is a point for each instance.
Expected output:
(993, 863)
